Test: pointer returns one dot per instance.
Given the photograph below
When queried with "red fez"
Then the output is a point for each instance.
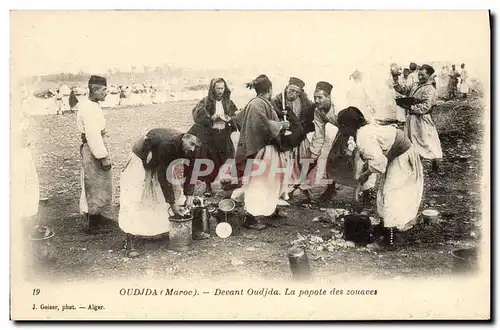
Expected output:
(324, 86)
(97, 80)
(296, 82)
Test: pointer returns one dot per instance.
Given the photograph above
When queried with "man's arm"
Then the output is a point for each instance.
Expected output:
(232, 113)
(307, 116)
(188, 173)
(167, 153)
(277, 106)
(318, 139)
(93, 134)
(402, 88)
(428, 100)
(166, 185)
(200, 114)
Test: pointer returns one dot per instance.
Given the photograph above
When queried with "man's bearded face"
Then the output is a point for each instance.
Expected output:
(292, 92)
(219, 90)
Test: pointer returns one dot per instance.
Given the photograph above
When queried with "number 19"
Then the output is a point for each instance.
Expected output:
(36, 292)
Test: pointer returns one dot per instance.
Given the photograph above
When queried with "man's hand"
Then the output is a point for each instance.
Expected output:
(106, 163)
(286, 110)
(215, 116)
(357, 192)
(179, 210)
(189, 202)
(364, 177)
(312, 166)
(285, 125)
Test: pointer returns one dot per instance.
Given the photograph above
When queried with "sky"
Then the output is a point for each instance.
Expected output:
(313, 45)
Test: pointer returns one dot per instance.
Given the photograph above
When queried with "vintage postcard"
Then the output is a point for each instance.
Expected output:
(250, 165)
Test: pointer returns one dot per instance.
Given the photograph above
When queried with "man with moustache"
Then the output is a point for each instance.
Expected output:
(420, 127)
(295, 104)
(96, 199)
(341, 161)
(148, 181)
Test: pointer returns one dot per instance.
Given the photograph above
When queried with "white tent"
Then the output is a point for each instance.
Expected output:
(65, 90)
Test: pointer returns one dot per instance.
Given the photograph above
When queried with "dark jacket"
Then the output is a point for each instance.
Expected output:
(260, 126)
(288, 142)
(206, 107)
(166, 146)
(307, 114)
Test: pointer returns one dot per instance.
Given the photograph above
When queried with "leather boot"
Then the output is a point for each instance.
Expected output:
(130, 250)
(330, 191)
(435, 167)
(252, 223)
(93, 223)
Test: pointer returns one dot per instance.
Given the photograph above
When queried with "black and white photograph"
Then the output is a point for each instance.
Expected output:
(250, 164)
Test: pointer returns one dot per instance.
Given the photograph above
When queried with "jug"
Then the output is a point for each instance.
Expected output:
(201, 217)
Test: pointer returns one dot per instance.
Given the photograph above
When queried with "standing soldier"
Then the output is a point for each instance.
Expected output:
(464, 82)
(343, 159)
(59, 102)
(420, 127)
(453, 82)
(73, 100)
(96, 177)
(295, 104)
(214, 119)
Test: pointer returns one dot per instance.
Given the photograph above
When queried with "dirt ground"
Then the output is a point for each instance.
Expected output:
(456, 194)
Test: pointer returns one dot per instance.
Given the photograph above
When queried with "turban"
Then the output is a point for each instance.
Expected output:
(351, 117)
(428, 68)
(97, 80)
(260, 84)
(296, 82)
(324, 86)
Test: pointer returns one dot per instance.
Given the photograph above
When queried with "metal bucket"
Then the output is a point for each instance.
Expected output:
(358, 229)
(299, 263)
(41, 248)
(465, 260)
(430, 216)
(180, 235)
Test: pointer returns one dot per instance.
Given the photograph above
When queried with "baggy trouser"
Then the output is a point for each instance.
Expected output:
(97, 186)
